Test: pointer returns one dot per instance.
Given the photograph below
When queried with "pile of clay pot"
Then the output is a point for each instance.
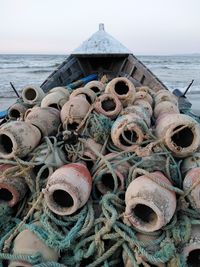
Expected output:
(137, 114)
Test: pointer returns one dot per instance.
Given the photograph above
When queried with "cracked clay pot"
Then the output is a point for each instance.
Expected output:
(148, 205)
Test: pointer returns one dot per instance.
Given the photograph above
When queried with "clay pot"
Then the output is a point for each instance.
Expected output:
(68, 189)
(141, 259)
(140, 111)
(61, 90)
(190, 162)
(165, 107)
(27, 243)
(46, 120)
(191, 250)
(95, 86)
(146, 89)
(55, 99)
(32, 94)
(190, 180)
(130, 126)
(18, 138)
(88, 152)
(123, 88)
(74, 111)
(106, 182)
(108, 105)
(89, 94)
(164, 95)
(142, 95)
(17, 111)
(183, 142)
(148, 205)
(144, 104)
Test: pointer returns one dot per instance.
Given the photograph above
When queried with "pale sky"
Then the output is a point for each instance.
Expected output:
(59, 26)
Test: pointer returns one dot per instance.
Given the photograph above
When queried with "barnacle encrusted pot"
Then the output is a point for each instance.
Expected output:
(138, 110)
(95, 86)
(165, 107)
(148, 205)
(180, 133)
(190, 162)
(46, 119)
(127, 131)
(145, 104)
(123, 88)
(68, 188)
(164, 95)
(74, 111)
(18, 138)
(88, 93)
(12, 189)
(192, 186)
(108, 105)
(191, 250)
(32, 94)
(142, 95)
(55, 99)
(27, 243)
(17, 111)
(106, 180)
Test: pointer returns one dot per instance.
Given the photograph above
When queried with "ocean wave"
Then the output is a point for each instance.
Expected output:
(39, 71)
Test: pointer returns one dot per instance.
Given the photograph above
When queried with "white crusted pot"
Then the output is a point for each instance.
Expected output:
(130, 126)
(32, 94)
(145, 104)
(74, 111)
(164, 95)
(191, 180)
(142, 95)
(46, 119)
(123, 88)
(108, 105)
(17, 111)
(68, 189)
(165, 107)
(191, 250)
(148, 205)
(27, 243)
(18, 138)
(54, 100)
(181, 142)
(95, 86)
(89, 94)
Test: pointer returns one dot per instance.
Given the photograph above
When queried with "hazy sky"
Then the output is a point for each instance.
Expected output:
(59, 26)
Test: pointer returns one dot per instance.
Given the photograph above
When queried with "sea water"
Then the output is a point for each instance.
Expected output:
(175, 71)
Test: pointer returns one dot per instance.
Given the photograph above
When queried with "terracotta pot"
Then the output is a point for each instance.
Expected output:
(108, 105)
(140, 111)
(190, 180)
(144, 104)
(191, 250)
(18, 138)
(32, 94)
(54, 100)
(74, 111)
(106, 183)
(183, 142)
(130, 126)
(61, 90)
(164, 95)
(46, 120)
(95, 86)
(17, 111)
(27, 243)
(190, 162)
(123, 88)
(88, 152)
(146, 89)
(89, 94)
(148, 205)
(142, 95)
(68, 189)
(165, 107)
